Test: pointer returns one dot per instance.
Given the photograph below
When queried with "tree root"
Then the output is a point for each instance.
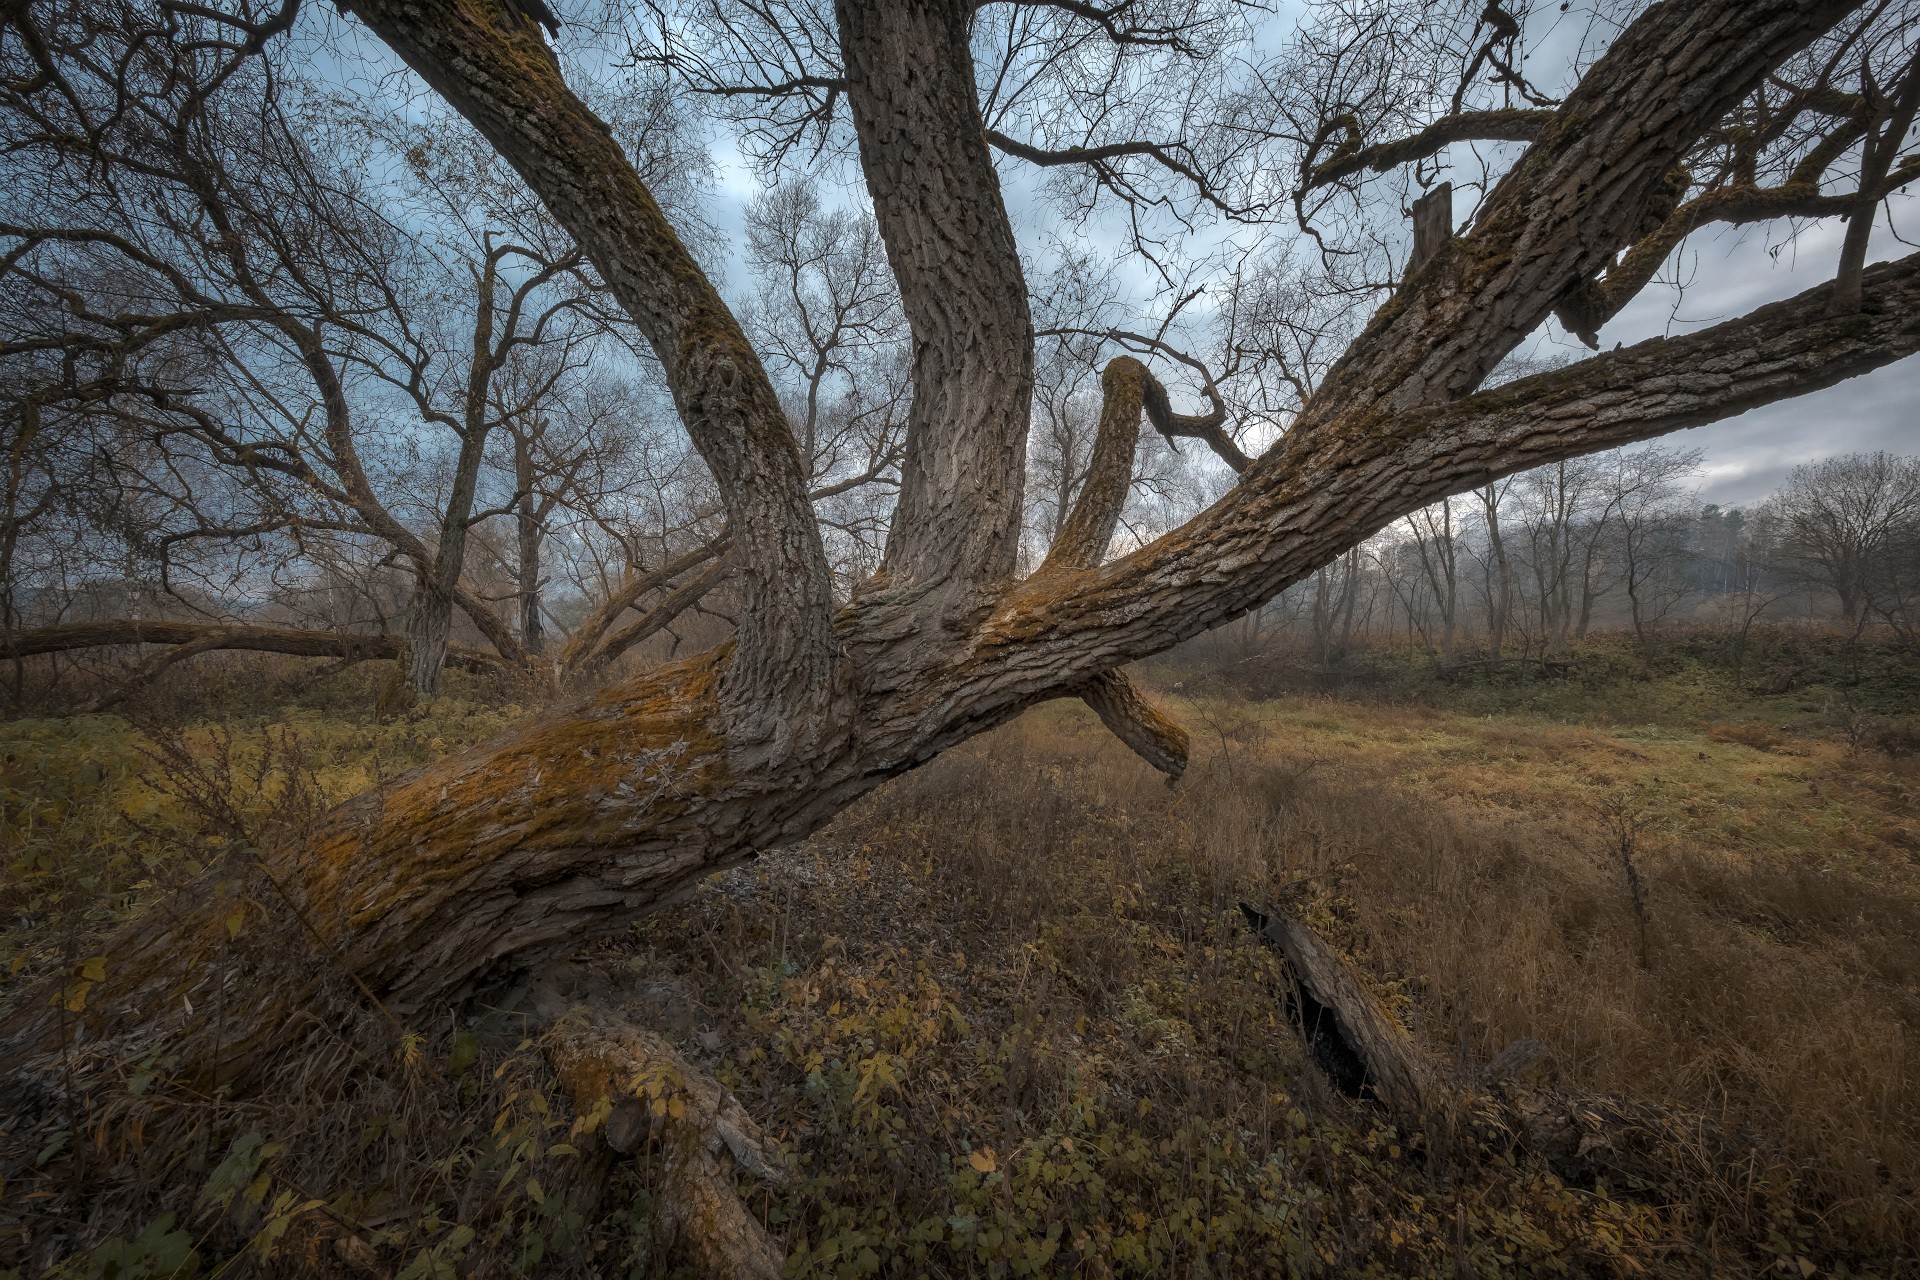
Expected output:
(632, 1087)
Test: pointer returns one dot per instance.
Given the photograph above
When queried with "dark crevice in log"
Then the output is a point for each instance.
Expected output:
(1362, 1049)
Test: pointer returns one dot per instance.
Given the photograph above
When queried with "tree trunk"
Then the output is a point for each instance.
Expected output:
(1500, 597)
(527, 527)
(429, 632)
(452, 878)
(937, 199)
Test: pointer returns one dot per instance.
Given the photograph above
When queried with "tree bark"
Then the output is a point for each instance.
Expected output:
(429, 632)
(529, 527)
(923, 146)
(648, 1093)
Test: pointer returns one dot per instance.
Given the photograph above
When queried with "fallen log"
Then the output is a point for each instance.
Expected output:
(1356, 1043)
(1584, 1138)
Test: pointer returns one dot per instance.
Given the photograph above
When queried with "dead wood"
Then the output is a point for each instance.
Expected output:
(1584, 1138)
(636, 1091)
(1391, 1066)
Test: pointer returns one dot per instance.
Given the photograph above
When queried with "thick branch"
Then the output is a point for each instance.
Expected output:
(1133, 718)
(494, 69)
(1583, 309)
(1309, 499)
(1089, 527)
(1580, 193)
(1083, 541)
(923, 146)
(1209, 428)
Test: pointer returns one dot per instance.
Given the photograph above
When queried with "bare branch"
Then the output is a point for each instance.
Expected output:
(1505, 124)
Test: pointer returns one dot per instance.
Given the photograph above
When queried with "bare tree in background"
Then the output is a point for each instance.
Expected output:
(1849, 525)
(1652, 520)
(1434, 540)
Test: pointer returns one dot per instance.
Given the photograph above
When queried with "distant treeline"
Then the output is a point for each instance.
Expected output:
(1525, 568)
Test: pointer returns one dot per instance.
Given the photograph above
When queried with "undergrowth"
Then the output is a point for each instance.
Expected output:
(1002, 1018)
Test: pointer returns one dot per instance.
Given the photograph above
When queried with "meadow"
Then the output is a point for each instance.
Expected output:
(1005, 1018)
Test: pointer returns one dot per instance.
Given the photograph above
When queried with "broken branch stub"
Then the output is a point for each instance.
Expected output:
(1432, 224)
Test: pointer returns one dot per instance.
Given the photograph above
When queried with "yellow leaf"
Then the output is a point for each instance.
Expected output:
(234, 921)
(677, 1109)
(94, 969)
(982, 1160)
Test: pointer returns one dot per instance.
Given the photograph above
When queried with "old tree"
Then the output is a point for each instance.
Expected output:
(464, 878)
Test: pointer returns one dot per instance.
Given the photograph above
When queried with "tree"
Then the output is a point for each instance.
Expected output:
(1848, 525)
(1652, 528)
(458, 877)
(1433, 538)
(1496, 569)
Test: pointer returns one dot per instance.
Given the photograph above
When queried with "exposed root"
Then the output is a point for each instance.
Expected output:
(633, 1087)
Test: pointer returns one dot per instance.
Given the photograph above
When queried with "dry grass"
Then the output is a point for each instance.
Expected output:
(1003, 1018)
(1472, 867)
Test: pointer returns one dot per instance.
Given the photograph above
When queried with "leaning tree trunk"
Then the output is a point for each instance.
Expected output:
(453, 878)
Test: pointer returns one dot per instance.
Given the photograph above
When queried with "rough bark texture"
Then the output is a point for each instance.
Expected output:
(429, 629)
(1149, 732)
(1578, 195)
(1088, 530)
(1394, 1068)
(646, 1093)
(1083, 542)
(936, 197)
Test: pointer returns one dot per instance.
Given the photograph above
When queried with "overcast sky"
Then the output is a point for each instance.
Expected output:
(1729, 272)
